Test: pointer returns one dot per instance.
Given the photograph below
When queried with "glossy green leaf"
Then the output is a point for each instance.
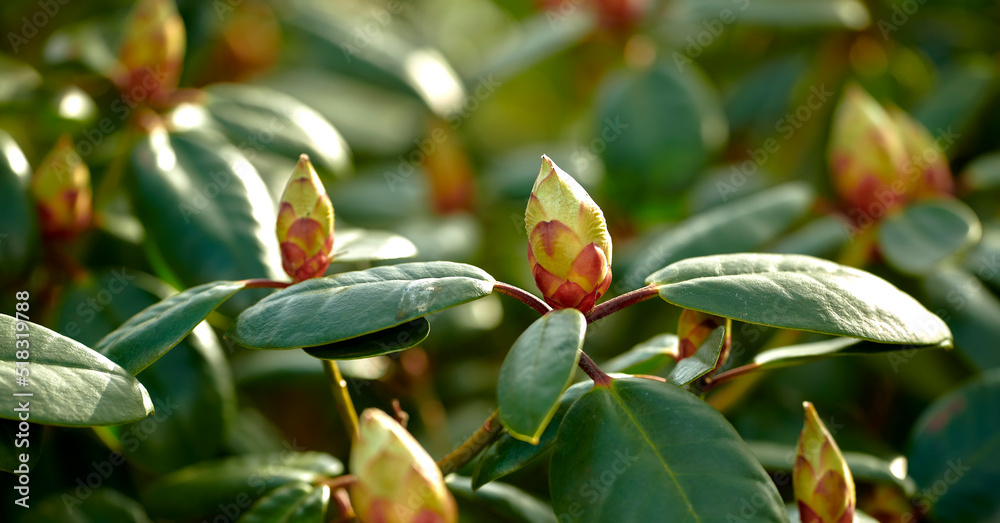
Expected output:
(206, 210)
(955, 452)
(819, 350)
(393, 339)
(149, 334)
(537, 369)
(255, 116)
(982, 173)
(646, 357)
(358, 245)
(509, 503)
(508, 454)
(739, 226)
(298, 502)
(800, 293)
(971, 312)
(199, 489)
(864, 467)
(71, 384)
(665, 123)
(324, 310)
(18, 226)
(849, 14)
(190, 386)
(102, 505)
(924, 234)
(701, 362)
(619, 443)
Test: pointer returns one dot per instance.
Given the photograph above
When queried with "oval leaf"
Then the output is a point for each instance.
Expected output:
(956, 447)
(291, 503)
(324, 310)
(151, 333)
(71, 385)
(393, 339)
(18, 226)
(924, 234)
(537, 369)
(199, 489)
(511, 503)
(703, 360)
(800, 293)
(972, 311)
(819, 350)
(358, 245)
(619, 443)
(646, 357)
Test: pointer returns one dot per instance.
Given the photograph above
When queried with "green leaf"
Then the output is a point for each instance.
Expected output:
(508, 502)
(819, 350)
(619, 443)
(800, 293)
(393, 339)
(324, 310)
(508, 454)
(982, 173)
(646, 357)
(864, 467)
(971, 312)
(849, 14)
(739, 226)
(666, 123)
(701, 362)
(536, 39)
(148, 335)
(926, 233)
(71, 385)
(822, 237)
(206, 210)
(279, 123)
(960, 98)
(537, 369)
(359, 245)
(100, 506)
(18, 226)
(199, 489)
(955, 454)
(292, 503)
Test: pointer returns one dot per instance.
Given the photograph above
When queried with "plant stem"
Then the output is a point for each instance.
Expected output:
(620, 302)
(524, 296)
(263, 283)
(600, 378)
(341, 397)
(472, 446)
(714, 381)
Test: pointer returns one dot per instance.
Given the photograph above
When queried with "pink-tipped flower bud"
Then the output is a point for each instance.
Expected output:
(61, 188)
(398, 482)
(152, 51)
(305, 224)
(926, 166)
(569, 248)
(824, 487)
(693, 329)
(866, 154)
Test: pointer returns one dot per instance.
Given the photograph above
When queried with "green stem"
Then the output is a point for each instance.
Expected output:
(472, 446)
(620, 302)
(524, 296)
(341, 397)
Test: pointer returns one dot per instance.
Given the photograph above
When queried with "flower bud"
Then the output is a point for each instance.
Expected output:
(927, 169)
(569, 248)
(61, 188)
(398, 482)
(824, 488)
(305, 224)
(866, 155)
(693, 329)
(152, 51)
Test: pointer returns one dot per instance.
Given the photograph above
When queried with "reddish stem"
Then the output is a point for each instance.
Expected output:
(264, 283)
(601, 379)
(524, 296)
(714, 381)
(620, 302)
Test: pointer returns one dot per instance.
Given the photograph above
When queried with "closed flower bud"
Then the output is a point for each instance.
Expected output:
(693, 329)
(824, 488)
(569, 248)
(305, 224)
(61, 188)
(927, 169)
(152, 51)
(397, 481)
(866, 154)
